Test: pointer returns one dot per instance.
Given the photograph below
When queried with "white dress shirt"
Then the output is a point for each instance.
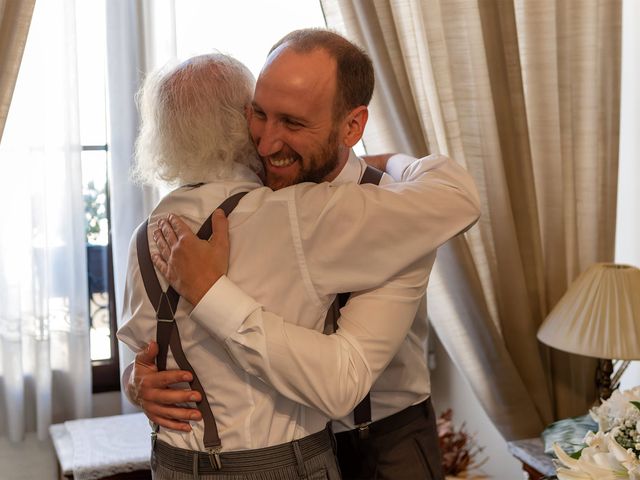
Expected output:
(291, 251)
(380, 344)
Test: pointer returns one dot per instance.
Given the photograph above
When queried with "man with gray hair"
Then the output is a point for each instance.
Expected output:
(293, 250)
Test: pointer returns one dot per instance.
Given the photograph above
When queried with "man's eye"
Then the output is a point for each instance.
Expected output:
(292, 123)
(259, 114)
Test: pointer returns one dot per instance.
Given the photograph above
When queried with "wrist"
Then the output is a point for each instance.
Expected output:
(200, 290)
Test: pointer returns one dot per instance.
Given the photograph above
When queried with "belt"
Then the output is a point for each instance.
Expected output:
(397, 420)
(256, 460)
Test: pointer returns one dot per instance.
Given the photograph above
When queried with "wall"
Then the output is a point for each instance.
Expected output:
(451, 390)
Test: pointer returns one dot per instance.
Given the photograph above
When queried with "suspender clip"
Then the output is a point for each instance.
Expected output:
(154, 435)
(214, 457)
(363, 430)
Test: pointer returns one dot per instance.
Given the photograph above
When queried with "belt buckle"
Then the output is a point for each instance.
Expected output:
(214, 457)
(363, 430)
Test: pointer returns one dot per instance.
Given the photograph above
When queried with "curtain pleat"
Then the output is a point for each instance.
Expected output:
(15, 17)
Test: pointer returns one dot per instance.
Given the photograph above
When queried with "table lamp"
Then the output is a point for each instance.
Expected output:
(599, 316)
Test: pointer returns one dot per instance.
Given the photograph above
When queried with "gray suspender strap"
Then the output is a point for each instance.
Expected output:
(165, 304)
(371, 175)
(362, 412)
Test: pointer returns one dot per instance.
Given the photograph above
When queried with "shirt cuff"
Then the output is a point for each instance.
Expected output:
(397, 164)
(223, 309)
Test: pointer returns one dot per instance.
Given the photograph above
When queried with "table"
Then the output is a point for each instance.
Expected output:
(114, 448)
(535, 462)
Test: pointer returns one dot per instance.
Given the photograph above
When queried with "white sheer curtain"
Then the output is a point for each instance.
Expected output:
(45, 366)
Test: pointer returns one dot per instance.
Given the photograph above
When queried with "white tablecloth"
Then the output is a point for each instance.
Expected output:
(94, 448)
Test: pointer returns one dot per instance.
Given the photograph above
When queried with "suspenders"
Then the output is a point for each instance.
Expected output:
(362, 412)
(165, 304)
(371, 175)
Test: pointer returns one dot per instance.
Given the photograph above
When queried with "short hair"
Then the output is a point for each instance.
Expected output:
(355, 78)
(193, 125)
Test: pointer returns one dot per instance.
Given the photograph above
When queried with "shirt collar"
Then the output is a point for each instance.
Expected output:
(351, 172)
(242, 173)
(239, 174)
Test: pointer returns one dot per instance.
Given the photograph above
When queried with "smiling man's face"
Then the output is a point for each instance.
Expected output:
(292, 118)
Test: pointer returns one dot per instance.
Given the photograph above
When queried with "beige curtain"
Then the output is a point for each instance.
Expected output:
(15, 17)
(524, 94)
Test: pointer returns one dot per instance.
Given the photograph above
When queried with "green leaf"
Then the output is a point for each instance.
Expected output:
(636, 404)
(577, 454)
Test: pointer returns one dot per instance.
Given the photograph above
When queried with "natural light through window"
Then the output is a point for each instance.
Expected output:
(173, 30)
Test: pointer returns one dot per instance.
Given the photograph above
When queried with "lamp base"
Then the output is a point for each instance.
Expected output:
(603, 378)
(608, 376)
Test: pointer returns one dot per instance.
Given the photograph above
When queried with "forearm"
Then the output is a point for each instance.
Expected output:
(326, 372)
(330, 373)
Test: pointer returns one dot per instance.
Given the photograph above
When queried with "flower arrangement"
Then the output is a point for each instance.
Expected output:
(613, 453)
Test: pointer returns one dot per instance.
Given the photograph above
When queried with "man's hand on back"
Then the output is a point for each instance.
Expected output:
(190, 265)
(149, 389)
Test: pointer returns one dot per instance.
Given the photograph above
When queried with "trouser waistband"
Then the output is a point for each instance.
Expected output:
(245, 461)
(397, 420)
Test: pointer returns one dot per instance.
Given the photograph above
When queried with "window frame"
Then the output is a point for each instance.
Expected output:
(106, 372)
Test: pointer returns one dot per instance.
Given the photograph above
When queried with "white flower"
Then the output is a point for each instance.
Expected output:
(626, 457)
(617, 409)
(603, 458)
(564, 474)
(592, 464)
(634, 474)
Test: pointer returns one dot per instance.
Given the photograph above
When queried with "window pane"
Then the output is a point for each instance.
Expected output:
(94, 190)
(94, 180)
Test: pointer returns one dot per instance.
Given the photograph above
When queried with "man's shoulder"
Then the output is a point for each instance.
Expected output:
(196, 202)
(190, 197)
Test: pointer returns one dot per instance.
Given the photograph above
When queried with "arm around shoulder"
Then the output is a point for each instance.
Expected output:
(355, 237)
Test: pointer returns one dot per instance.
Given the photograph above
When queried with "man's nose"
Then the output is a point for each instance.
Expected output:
(269, 141)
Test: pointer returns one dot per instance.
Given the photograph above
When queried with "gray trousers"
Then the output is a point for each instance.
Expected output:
(311, 458)
(403, 446)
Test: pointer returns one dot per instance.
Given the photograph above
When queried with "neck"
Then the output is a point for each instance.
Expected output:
(343, 157)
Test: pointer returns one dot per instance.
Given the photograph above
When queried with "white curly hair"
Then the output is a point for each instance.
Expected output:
(193, 125)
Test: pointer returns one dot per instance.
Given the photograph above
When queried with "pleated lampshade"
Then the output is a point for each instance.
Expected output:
(599, 316)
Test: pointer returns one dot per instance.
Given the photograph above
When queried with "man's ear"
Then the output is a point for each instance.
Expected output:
(354, 125)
